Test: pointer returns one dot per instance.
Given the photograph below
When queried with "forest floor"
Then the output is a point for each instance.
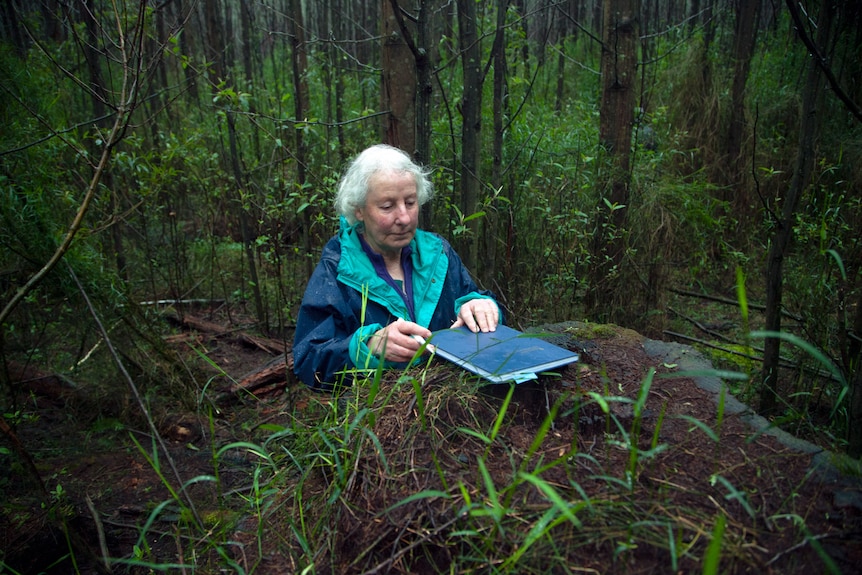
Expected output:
(780, 515)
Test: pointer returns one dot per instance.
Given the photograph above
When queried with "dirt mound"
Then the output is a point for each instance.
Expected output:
(572, 473)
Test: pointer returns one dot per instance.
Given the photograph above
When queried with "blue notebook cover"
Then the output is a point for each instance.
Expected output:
(502, 355)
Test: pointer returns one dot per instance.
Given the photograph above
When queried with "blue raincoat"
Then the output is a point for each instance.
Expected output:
(332, 328)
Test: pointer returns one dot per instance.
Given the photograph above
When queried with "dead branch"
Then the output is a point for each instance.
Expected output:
(700, 326)
(728, 301)
(785, 363)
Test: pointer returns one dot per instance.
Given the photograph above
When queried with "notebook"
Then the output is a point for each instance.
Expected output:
(500, 356)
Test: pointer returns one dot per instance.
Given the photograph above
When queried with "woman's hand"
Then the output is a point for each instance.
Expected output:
(479, 314)
(395, 342)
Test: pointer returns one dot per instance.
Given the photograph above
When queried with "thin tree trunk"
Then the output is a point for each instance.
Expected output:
(471, 126)
(619, 64)
(500, 91)
(398, 85)
(248, 39)
(299, 60)
(244, 226)
(340, 28)
(854, 428)
(425, 57)
(188, 71)
(747, 16)
(562, 29)
(784, 229)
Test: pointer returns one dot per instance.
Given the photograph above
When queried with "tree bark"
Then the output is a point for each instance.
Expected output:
(422, 46)
(398, 86)
(500, 90)
(471, 127)
(619, 65)
(745, 37)
(784, 228)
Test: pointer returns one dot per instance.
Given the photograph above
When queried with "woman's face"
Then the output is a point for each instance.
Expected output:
(391, 212)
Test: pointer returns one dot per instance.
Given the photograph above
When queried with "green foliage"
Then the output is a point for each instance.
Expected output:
(167, 224)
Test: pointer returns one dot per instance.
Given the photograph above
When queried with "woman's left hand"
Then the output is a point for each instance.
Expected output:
(479, 314)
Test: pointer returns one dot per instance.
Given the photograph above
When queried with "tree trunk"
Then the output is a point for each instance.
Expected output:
(91, 54)
(244, 225)
(500, 90)
(784, 228)
(562, 33)
(299, 60)
(747, 15)
(398, 85)
(619, 65)
(471, 126)
(425, 59)
(188, 71)
(214, 50)
(248, 39)
(11, 27)
(340, 29)
(854, 428)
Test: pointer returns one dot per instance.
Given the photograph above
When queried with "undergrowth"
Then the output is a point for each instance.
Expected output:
(428, 471)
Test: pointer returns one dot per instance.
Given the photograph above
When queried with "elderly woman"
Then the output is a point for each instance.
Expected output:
(382, 281)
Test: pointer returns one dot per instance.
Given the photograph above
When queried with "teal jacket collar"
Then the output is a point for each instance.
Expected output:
(429, 272)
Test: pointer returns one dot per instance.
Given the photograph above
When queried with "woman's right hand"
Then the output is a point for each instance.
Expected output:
(396, 341)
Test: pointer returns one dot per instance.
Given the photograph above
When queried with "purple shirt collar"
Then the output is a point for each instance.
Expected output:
(379, 265)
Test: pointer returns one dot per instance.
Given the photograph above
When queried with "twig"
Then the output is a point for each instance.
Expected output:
(100, 531)
(799, 545)
(200, 301)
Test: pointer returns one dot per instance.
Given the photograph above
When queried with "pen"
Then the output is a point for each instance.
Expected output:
(422, 341)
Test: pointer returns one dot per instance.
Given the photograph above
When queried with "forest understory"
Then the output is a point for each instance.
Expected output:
(107, 481)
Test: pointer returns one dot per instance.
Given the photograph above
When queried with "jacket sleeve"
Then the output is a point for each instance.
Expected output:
(324, 329)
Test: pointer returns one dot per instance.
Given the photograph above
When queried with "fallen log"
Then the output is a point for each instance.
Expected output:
(270, 346)
(267, 379)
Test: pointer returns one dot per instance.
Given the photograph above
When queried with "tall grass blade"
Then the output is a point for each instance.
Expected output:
(501, 415)
(713, 553)
(699, 424)
(541, 528)
(559, 503)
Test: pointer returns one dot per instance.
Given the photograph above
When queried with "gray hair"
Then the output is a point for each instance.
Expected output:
(353, 187)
